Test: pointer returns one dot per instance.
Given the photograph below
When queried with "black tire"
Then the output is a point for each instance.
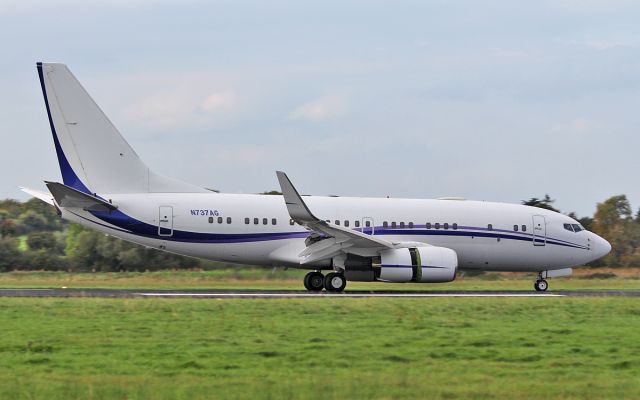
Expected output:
(335, 282)
(535, 286)
(542, 285)
(314, 281)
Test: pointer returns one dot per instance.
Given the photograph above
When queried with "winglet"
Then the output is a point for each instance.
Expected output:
(297, 208)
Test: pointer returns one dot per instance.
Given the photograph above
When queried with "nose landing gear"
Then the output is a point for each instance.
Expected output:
(541, 285)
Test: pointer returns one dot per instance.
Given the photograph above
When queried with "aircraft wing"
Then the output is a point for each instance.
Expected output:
(337, 239)
(67, 196)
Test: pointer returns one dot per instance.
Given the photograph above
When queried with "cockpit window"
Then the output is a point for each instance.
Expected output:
(577, 228)
(568, 227)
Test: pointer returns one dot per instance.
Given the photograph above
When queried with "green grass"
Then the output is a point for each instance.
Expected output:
(266, 278)
(444, 348)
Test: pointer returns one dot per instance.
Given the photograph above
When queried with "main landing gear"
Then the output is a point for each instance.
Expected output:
(334, 282)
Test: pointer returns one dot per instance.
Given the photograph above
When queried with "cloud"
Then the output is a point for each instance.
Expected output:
(182, 107)
(219, 102)
(608, 44)
(321, 109)
(576, 127)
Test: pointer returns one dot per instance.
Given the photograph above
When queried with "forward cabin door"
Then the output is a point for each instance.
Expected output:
(539, 231)
(165, 221)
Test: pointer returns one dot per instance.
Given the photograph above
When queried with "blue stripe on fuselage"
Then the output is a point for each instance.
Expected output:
(137, 227)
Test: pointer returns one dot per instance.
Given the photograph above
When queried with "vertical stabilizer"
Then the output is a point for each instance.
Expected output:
(93, 156)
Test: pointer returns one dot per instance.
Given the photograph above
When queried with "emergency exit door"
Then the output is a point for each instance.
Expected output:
(165, 221)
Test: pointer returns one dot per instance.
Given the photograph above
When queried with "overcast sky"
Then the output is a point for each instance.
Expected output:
(492, 100)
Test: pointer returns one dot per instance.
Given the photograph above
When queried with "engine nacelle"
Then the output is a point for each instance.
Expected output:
(420, 264)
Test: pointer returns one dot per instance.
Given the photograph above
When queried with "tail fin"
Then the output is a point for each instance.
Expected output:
(93, 156)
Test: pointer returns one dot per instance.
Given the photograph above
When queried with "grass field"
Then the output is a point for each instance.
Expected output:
(255, 278)
(325, 348)
(445, 348)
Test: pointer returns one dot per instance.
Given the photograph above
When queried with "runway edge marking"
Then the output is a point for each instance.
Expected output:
(338, 295)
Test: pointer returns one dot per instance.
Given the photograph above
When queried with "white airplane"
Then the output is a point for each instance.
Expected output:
(107, 187)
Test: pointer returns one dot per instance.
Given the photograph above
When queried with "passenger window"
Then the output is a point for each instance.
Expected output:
(446, 225)
(515, 228)
(393, 224)
(455, 226)
(357, 223)
(524, 228)
(211, 220)
(246, 221)
(273, 221)
(337, 222)
(437, 225)
(402, 225)
(410, 225)
(577, 228)
(385, 224)
(228, 220)
(367, 223)
(219, 220)
(428, 225)
(291, 222)
(265, 221)
(568, 227)
(256, 221)
(346, 223)
(490, 227)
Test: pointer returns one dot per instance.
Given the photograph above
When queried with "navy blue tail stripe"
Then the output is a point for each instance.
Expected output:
(69, 176)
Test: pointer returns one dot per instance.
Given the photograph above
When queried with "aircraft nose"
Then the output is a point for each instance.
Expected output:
(600, 246)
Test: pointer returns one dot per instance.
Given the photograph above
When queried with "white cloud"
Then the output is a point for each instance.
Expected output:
(608, 44)
(321, 109)
(182, 107)
(219, 102)
(578, 127)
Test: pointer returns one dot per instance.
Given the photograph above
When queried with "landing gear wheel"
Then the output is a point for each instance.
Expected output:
(314, 281)
(335, 282)
(541, 285)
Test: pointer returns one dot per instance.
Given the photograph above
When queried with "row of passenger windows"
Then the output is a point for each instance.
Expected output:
(385, 224)
(220, 220)
(356, 223)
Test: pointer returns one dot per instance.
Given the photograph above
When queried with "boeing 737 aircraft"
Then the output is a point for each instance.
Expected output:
(106, 186)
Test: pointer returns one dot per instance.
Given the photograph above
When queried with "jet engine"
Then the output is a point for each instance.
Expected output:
(429, 264)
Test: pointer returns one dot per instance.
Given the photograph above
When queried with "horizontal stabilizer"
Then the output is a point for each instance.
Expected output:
(67, 196)
(44, 196)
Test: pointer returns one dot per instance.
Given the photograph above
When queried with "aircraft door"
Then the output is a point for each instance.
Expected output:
(539, 231)
(165, 221)
(367, 226)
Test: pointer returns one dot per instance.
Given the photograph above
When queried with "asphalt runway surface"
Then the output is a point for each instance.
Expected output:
(271, 294)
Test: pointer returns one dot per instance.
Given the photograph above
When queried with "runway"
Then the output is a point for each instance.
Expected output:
(280, 294)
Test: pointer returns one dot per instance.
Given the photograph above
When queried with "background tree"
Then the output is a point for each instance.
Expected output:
(613, 221)
(546, 203)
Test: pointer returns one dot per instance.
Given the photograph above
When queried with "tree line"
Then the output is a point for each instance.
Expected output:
(34, 237)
